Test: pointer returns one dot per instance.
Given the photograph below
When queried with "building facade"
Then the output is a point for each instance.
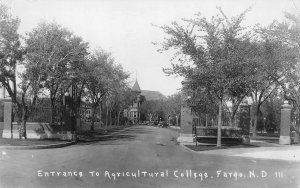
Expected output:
(85, 112)
(133, 113)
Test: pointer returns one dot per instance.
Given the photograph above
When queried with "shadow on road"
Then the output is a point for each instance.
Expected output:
(113, 137)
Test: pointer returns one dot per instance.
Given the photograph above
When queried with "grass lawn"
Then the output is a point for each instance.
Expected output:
(213, 147)
(28, 142)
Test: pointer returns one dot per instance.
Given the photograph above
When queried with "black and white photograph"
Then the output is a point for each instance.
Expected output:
(149, 93)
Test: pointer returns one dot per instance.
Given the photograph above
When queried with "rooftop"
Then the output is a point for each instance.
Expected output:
(153, 95)
(136, 87)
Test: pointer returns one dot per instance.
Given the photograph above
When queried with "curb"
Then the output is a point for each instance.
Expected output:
(245, 157)
(93, 140)
(267, 144)
(174, 127)
(60, 145)
(188, 149)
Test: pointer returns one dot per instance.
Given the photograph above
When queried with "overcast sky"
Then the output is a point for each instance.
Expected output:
(124, 27)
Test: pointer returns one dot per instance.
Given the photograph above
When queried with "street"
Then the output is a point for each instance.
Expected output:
(140, 156)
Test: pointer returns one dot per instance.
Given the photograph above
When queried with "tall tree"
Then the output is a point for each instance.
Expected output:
(11, 52)
(288, 32)
(154, 109)
(11, 57)
(121, 94)
(173, 106)
(29, 90)
(271, 60)
(215, 55)
(100, 78)
(59, 52)
(118, 87)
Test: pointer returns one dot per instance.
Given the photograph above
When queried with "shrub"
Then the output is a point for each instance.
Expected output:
(225, 131)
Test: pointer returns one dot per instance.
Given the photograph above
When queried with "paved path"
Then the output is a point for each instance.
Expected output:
(264, 151)
(285, 153)
(288, 154)
(140, 156)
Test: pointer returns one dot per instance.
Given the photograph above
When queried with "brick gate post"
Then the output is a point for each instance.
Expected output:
(186, 118)
(244, 121)
(186, 123)
(285, 123)
(7, 128)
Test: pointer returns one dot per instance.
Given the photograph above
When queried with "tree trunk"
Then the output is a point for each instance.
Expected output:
(52, 113)
(106, 122)
(255, 123)
(52, 109)
(119, 113)
(255, 120)
(110, 118)
(22, 127)
(232, 121)
(296, 139)
(115, 118)
(100, 114)
(219, 144)
(255, 115)
(93, 118)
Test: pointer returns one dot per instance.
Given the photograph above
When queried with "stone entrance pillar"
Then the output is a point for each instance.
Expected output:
(2, 96)
(6, 104)
(186, 122)
(244, 118)
(2, 93)
(186, 117)
(7, 128)
(244, 122)
(285, 124)
(186, 132)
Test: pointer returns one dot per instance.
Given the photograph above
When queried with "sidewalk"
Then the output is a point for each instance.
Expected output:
(287, 153)
(264, 150)
(6, 143)
(83, 136)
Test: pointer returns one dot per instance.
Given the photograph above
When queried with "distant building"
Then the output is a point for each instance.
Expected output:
(85, 112)
(133, 112)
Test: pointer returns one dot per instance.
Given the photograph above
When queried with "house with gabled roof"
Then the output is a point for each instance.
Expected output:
(133, 112)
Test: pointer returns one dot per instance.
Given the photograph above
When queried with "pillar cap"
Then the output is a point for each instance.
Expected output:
(6, 99)
(286, 105)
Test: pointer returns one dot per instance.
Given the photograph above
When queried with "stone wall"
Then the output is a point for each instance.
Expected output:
(36, 130)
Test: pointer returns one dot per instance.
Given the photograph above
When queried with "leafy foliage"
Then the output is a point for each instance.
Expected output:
(11, 52)
(105, 80)
(12, 56)
(214, 55)
(58, 53)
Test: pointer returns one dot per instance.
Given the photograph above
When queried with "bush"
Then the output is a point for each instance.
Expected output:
(163, 124)
(225, 141)
(225, 131)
